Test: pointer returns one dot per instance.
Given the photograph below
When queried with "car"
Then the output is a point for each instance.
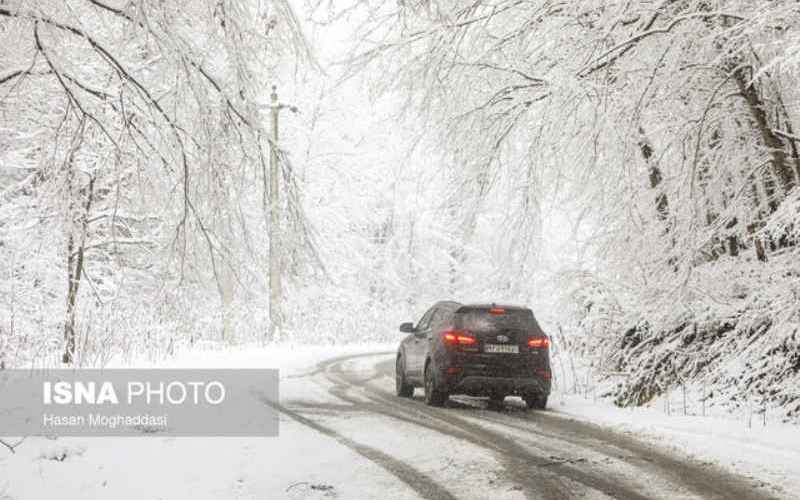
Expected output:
(484, 350)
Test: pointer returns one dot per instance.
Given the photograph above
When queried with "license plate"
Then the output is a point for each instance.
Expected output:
(505, 349)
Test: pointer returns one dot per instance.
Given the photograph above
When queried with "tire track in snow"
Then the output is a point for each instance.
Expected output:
(691, 475)
(706, 481)
(538, 475)
(423, 485)
(535, 486)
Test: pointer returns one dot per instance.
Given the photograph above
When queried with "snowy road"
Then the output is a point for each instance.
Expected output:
(466, 451)
(345, 435)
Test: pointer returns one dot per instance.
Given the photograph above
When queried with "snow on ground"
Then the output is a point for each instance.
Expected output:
(290, 359)
(304, 464)
(752, 444)
(298, 464)
(768, 453)
(465, 468)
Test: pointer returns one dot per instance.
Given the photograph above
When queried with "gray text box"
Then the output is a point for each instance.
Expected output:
(139, 402)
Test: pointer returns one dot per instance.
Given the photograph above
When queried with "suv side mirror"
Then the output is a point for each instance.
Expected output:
(407, 328)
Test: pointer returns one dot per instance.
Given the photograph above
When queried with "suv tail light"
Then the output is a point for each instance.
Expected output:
(456, 337)
(538, 342)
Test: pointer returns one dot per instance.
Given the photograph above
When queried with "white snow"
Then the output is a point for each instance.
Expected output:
(302, 463)
(297, 464)
(197, 468)
(768, 453)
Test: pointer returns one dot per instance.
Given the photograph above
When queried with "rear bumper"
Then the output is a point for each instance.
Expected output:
(484, 386)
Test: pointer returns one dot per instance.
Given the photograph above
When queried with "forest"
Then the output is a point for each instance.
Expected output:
(629, 169)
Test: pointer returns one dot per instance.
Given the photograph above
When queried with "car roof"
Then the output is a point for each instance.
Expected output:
(459, 307)
(489, 306)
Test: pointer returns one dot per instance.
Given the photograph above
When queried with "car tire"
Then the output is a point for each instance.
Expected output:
(403, 388)
(496, 401)
(536, 402)
(433, 395)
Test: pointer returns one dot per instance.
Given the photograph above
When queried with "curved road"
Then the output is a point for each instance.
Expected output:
(537, 454)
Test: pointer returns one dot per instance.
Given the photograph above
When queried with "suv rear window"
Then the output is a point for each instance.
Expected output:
(482, 320)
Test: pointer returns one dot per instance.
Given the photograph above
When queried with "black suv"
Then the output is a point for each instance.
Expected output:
(477, 350)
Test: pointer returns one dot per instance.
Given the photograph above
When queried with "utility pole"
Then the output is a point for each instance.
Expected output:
(275, 234)
(274, 225)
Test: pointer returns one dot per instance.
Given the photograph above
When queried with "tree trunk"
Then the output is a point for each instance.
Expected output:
(662, 202)
(74, 274)
(780, 169)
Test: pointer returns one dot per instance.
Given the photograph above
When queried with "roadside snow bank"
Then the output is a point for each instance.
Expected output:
(290, 359)
(768, 453)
